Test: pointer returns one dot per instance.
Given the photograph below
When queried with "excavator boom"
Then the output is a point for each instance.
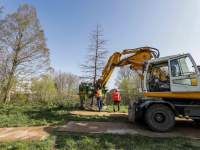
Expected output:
(136, 60)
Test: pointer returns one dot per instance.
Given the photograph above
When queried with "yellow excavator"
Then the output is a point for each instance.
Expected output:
(174, 79)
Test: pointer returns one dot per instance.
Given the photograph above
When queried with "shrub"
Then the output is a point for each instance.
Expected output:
(19, 96)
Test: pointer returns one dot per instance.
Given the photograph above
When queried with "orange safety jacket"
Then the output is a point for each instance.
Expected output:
(99, 93)
(117, 96)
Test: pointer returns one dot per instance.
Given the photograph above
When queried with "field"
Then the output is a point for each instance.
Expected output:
(42, 114)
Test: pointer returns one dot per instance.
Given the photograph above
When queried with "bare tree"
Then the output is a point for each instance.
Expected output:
(72, 83)
(3, 62)
(129, 85)
(1, 20)
(3, 75)
(1, 10)
(66, 82)
(94, 62)
(4, 65)
(109, 97)
(123, 72)
(24, 43)
(61, 81)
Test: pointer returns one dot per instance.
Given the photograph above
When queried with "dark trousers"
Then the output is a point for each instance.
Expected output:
(99, 102)
(116, 103)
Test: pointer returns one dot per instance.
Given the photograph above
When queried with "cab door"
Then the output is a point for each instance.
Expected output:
(184, 74)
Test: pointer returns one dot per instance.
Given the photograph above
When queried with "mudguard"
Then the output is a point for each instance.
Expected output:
(136, 107)
(145, 104)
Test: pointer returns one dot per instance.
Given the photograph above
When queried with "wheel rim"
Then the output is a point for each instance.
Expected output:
(160, 118)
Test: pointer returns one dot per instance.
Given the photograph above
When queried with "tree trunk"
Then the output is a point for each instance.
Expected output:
(82, 106)
(7, 96)
(10, 80)
(92, 103)
(9, 85)
(95, 69)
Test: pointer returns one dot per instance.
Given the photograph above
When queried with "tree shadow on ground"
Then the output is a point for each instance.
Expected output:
(60, 116)
(70, 140)
(66, 140)
(187, 124)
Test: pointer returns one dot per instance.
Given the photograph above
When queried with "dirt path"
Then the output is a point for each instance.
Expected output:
(25, 133)
(183, 127)
(132, 128)
(93, 113)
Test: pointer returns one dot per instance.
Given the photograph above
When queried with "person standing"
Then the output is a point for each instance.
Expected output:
(99, 98)
(117, 99)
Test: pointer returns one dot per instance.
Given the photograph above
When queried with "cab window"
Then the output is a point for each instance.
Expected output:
(182, 66)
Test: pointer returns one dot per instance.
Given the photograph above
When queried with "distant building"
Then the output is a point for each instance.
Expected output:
(23, 86)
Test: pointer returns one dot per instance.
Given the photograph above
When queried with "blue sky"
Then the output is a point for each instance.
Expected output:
(171, 26)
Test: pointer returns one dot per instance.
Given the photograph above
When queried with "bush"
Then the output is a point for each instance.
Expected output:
(44, 89)
(72, 101)
(18, 97)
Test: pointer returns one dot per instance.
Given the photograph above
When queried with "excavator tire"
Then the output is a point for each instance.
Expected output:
(159, 118)
(197, 120)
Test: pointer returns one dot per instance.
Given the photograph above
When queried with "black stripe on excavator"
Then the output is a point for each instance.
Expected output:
(155, 54)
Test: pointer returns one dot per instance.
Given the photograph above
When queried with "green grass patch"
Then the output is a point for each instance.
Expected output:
(37, 114)
(42, 114)
(123, 109)
(67, 140)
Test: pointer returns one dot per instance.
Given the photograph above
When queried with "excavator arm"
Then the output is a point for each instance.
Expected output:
(136, 60)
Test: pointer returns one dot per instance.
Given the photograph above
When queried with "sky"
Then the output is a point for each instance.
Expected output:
(171, 26)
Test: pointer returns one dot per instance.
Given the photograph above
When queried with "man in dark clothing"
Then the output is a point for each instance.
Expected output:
(99, 98)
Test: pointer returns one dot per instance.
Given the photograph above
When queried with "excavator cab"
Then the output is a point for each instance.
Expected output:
(172, 74)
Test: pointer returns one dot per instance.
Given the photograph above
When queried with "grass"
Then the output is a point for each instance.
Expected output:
(45, 115)
(38, 114)
(123, 109)
(109, 108)
(66, 140)
(110, 141)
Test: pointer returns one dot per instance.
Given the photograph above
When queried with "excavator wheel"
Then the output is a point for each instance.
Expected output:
(159, 118)
(197, 120)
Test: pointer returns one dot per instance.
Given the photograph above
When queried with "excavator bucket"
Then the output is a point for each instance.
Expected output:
(85, 91)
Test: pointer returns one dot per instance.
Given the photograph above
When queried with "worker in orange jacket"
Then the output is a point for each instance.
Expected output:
(99, 98)
(117, 99)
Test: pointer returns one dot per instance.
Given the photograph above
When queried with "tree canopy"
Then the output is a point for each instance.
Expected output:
(23, 44)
